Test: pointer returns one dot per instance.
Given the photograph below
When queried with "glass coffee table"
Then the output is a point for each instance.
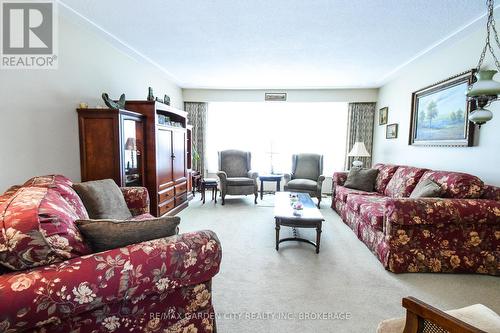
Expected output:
(307, 217)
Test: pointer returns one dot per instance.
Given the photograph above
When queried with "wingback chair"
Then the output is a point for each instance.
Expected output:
(235, 174)
(306, 175)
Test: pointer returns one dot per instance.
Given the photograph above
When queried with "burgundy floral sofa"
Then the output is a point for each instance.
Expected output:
(458, 233)
(51, 282)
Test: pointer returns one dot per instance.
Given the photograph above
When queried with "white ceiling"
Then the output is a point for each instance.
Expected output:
(279, 43)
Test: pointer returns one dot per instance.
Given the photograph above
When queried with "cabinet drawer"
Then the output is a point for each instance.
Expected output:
(166, 207)
(180, 199)
(180, 188)
(166, 195)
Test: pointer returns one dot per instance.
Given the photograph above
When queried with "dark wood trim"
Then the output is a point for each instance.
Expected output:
(417, 312)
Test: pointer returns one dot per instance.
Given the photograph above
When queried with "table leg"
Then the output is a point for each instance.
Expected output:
(261, 189)
(277, 235)
(216, 188)
(318, 237)
(278, 187)
(203, 193)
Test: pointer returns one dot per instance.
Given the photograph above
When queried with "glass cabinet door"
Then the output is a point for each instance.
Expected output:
(132, 159)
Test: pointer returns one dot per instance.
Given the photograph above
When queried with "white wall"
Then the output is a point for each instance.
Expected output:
(456, 57)
(293, 95)
(38, 121)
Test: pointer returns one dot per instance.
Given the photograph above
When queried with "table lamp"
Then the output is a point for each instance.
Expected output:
(358, 150)
(130, 144)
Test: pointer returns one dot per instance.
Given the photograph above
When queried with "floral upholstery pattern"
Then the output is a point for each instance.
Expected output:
(403, 181)
(447, 235)
(37, 228)
(137, 199)
(385, 173)
(491, 192)
(118, 290)
(342, 192)
(63, 185)
(456, 184)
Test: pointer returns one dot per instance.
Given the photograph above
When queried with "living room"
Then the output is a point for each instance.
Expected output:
(231, 166)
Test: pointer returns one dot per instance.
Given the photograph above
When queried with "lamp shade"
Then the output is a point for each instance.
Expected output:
(359, 150)
(130, 144)
(485, 85)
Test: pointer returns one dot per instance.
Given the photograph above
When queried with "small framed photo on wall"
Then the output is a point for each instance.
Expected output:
(383, 115)
(391, 131)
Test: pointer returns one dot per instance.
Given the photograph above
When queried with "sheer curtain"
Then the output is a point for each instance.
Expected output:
(273, 131)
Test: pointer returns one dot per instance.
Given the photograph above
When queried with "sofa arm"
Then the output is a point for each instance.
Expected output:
(29, 298)
(339, 178)
(440, 212)
(253, 174)
(491, 192)
(137, 199)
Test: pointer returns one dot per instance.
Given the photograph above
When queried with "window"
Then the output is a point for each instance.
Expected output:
(273, 131)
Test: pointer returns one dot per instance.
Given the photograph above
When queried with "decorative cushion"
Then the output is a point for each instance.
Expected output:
(302, 184)
(63, 185)
(456, 184)
(361, 179)
(103, 199)
(426, 189)
(239, 181)
(403, 181)
(37, 228)
(104, 235)
(342, 192)
(9, 193)
(477, 315)
(385, 173)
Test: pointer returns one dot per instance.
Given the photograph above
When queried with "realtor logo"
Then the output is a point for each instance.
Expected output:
(28, 35)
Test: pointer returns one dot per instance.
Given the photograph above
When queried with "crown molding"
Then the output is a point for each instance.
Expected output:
(474, 24)
(121, 45)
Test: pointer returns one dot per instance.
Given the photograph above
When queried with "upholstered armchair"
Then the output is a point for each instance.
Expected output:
(306, 175)
(235, 174)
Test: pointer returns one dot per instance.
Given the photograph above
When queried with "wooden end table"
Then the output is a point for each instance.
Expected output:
(269, 178)
(209, 183)
(308, 217)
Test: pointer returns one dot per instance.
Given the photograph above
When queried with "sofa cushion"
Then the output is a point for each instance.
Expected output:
(373, 212)
(456, 184)
(403, 181)
(302, 184)
(426, 188)
(355, 201)
(385, 173)
(361, 179)
(342, 192)
(103, 199)
(239, 181)
(37, 228)
(63, 185)
(104, 235)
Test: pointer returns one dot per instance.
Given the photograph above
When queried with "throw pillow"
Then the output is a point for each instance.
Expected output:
(361, 179)
(104, 235)
(103, 199)
(426, 189)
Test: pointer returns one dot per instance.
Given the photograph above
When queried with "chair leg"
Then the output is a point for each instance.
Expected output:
(223, 199)
(319, 201)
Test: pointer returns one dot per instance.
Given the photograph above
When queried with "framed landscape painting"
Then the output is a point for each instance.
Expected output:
(440, 113)
(383, 115)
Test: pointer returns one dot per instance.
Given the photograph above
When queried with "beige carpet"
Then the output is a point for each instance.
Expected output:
(261, 290)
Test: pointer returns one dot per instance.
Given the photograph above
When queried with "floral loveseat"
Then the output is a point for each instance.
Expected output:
(459, 232)
(51, 282)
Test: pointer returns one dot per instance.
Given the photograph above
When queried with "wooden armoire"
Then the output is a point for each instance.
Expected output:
(166, 172)
(160, 146)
